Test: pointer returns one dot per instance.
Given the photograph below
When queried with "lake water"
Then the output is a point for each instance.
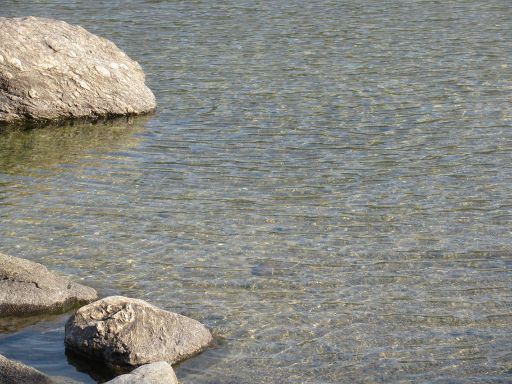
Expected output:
(327, 185)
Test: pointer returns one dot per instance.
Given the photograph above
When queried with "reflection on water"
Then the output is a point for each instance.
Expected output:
(30, 151)
(97, 371)
(41, 345)
(326, 185)
(13, 323)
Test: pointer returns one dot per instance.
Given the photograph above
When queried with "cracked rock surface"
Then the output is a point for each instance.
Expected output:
(28, 288)
(121, 331)
(155, 373)
(51, 70)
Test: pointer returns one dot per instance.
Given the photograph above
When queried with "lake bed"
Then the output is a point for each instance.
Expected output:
(327, 186)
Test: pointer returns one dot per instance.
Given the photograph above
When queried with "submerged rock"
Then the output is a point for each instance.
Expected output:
(51, 70)
(14, 372)
(156, 373)
(28, 288)
(121, 331)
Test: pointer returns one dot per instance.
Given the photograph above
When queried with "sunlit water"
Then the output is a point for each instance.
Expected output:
(327, 185)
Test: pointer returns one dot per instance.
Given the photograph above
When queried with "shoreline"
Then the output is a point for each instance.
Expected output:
(22, 323)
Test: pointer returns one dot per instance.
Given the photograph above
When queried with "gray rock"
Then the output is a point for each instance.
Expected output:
(14, 372)
(121, 331)
(28, 288)
(155, 373)
(51, 71)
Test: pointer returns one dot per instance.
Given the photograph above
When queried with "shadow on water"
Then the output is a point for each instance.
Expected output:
(96, 370)
(101, 373)
(24, 152)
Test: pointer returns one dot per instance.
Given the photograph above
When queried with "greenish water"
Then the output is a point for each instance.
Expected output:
(326, 185)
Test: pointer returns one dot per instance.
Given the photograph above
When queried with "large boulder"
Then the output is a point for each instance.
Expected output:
(155, 373)
(51, 70)
(28, 288)
(121, 331)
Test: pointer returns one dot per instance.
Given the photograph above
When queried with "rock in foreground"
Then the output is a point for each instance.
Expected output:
(51, 70)
(28, 288)
(128, 332)
(155, 373)
(13, 372)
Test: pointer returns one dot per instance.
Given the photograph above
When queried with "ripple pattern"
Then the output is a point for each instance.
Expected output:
(326, 184)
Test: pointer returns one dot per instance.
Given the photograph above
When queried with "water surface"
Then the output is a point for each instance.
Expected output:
(326, 185)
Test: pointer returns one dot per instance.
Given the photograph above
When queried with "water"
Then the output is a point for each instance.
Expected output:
(326, 185)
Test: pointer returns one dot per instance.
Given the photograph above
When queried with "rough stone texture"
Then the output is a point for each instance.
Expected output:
(121, 331)
(155, 373)
(51, 70)
(28, 288)
(13, 372)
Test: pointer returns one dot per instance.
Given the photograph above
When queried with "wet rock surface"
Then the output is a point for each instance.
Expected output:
(156, 373)
(28, 288)
(51, 70)
(121, 331)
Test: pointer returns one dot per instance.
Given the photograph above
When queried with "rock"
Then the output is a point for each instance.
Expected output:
(27, 288)
(51, 71)
(121, 331)
(156, 373)
(13, 372)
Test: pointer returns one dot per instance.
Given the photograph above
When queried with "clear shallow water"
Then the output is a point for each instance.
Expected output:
(325, 185)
